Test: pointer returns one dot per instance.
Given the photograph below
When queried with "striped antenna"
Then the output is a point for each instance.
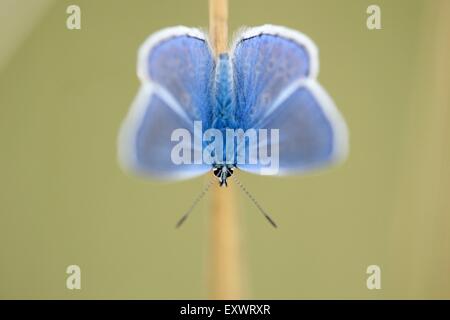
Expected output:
(249, 195)
(194, 204)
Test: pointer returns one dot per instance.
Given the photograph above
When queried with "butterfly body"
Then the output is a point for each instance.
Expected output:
(224, 107)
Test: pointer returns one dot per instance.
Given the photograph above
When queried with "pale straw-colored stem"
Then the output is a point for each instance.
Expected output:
(218, 25)
(224, 263)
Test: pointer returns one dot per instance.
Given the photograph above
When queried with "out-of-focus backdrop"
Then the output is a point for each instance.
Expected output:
(64, 200)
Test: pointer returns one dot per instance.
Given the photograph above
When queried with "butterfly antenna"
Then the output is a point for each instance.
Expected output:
(254, 202)
(194, 204)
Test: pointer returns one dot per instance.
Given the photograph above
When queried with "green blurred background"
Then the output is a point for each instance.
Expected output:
(64, 199)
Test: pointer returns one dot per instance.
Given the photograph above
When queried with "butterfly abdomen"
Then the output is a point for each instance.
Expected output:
(223, 102)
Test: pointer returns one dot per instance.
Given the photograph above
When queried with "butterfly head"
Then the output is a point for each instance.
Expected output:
(223, 172)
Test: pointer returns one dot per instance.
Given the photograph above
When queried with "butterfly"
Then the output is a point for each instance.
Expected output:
(268, 80)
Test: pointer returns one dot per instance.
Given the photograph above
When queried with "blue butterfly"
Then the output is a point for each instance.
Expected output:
(266, 81)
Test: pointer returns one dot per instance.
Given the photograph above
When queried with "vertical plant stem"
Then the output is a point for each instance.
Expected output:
(225, 266)
(218, 25)
(225, 272)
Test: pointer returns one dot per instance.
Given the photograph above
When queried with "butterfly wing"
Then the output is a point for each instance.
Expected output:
(175, 66)
(275, 72)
